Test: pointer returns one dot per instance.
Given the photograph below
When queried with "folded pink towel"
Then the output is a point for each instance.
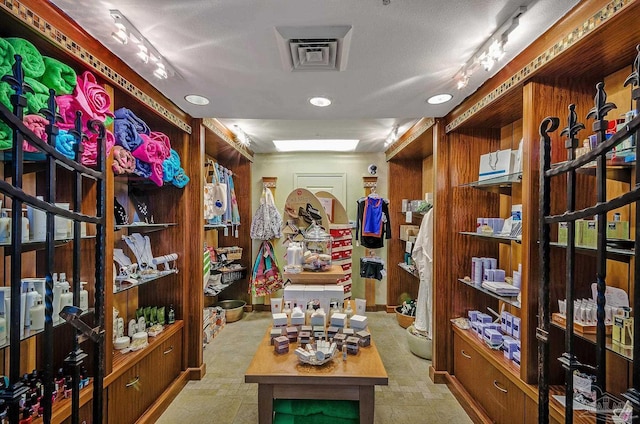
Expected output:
(156, 173)
(123, 161)
(164, 140)
(37, 124)
(150, 151)
(89, 154)
(88, 97)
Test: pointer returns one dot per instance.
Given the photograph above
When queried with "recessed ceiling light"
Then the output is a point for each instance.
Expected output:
(196, 99)
(320, 101)
(439, 98)
(316, 145)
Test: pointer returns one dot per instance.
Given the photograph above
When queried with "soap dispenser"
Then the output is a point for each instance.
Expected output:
(37, 314)
(287, 311)
(84, 297)
(66, 297)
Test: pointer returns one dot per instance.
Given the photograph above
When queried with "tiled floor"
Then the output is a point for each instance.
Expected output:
(222, 397)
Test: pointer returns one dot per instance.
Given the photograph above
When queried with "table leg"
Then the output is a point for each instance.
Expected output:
(367, 404)
(265, 404)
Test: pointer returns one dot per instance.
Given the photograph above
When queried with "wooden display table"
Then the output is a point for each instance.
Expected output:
(319, 277)
(283, 377)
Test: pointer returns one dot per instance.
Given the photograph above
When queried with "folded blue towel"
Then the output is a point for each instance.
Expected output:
(126, 134)
(140, 126)
(143, 169)
(65, 143)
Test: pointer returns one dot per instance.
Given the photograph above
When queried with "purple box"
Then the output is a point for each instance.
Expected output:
(498, 275)
(473, 315)
(485, 318)
(510, 346)
(492, 336)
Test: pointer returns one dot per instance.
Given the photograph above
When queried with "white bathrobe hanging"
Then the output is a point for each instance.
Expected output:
(422, 255)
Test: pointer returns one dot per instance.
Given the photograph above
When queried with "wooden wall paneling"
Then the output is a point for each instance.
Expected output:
(544, 98)
(428, 174)
(406, 185)
(193, 242)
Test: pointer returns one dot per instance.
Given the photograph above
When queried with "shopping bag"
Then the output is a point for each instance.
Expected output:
(215, 197)
(495, 164)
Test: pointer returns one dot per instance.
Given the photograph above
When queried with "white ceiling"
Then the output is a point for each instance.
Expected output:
(400, 54)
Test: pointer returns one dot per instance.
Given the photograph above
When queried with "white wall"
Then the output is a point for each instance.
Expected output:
(285, 165)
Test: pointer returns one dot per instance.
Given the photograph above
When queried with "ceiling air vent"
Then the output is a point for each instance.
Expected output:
(314, 48)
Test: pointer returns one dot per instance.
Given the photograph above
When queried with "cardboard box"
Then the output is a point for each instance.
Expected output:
(407, 231)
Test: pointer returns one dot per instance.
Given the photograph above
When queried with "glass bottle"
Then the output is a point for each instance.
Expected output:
(171, 318)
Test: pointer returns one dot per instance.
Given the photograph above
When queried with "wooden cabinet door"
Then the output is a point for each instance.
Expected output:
(504, 400)
(125, 397)
(469, 368)
(171, 357)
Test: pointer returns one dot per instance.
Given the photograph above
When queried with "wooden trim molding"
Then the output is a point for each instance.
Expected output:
(68, 44)
(414, 132)
(468, 403)
(223, 132)
(571, 38)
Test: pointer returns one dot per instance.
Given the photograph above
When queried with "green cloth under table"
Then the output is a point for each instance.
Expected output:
(281, 418)
(344, 409)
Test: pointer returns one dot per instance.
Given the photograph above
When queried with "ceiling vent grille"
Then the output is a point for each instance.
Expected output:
(314, 48)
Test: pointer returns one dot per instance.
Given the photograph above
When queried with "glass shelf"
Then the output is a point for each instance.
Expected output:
(121, 286)
(500, 184)
(621, 255)
(626, 353)
(513, 301)
(215, 226)
(412, 271)
(31, 245)
(146, 228)
(28, 333)
(492, 237)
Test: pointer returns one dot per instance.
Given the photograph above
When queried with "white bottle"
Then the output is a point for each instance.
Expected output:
(5, 227)
(66, 297)
(308, 313)
(25, 226)
(3, 329)
(57, 291)
(31, 299)
(84, 297)
(348, 312)
(287, 311)
(37, 314)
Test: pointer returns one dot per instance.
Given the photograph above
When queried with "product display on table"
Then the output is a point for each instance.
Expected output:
(373, 223)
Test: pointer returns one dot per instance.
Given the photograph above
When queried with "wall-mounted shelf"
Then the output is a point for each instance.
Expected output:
(214, 226)
(121, 286)
(492, 237)
(621, 255)
(410, 270)
(146, 228)
(28, 333)
(31, 245)
(513, 301)
(499, 184)
(626, 353)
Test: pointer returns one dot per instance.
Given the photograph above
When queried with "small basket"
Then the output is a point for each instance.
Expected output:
(232, 253)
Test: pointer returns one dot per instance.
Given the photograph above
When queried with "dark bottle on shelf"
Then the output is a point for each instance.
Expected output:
(171, 316)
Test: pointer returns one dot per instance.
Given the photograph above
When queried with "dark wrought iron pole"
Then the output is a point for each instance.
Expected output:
(548, 125)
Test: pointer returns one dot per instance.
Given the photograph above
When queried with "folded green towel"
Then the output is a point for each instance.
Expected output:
(37, 100)
(32, 63)
(6, 136)
(59, 76)
(5, 94)
(7, 59)
(333, 408)
(282, 418)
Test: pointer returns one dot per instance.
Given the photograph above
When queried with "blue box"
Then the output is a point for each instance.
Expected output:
(473, 315)
(516, 328)
(492, 336)
(510, 346)
(484, 318)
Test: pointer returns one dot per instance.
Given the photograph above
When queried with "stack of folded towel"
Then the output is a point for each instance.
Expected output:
(292, 411)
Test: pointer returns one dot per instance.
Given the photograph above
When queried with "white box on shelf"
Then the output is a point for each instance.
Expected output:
(515, 328)
(279, 320)
(294, 292)
(339, 320)
(358, 322)
(361, 306)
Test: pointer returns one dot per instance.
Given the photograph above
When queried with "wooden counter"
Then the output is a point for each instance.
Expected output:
(283, 377)
(319, 277)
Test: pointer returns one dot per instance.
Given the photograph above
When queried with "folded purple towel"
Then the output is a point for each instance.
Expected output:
(126, 134)
(143, 169)
(139, 124)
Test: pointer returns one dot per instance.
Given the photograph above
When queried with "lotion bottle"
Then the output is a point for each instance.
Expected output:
(25, 226)
(32, 297)
(37, 314)
(287, 311)
(3, 329)
(84, 297)
(66, 297)
(5, 227)
(348, 312)
(57, 292)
